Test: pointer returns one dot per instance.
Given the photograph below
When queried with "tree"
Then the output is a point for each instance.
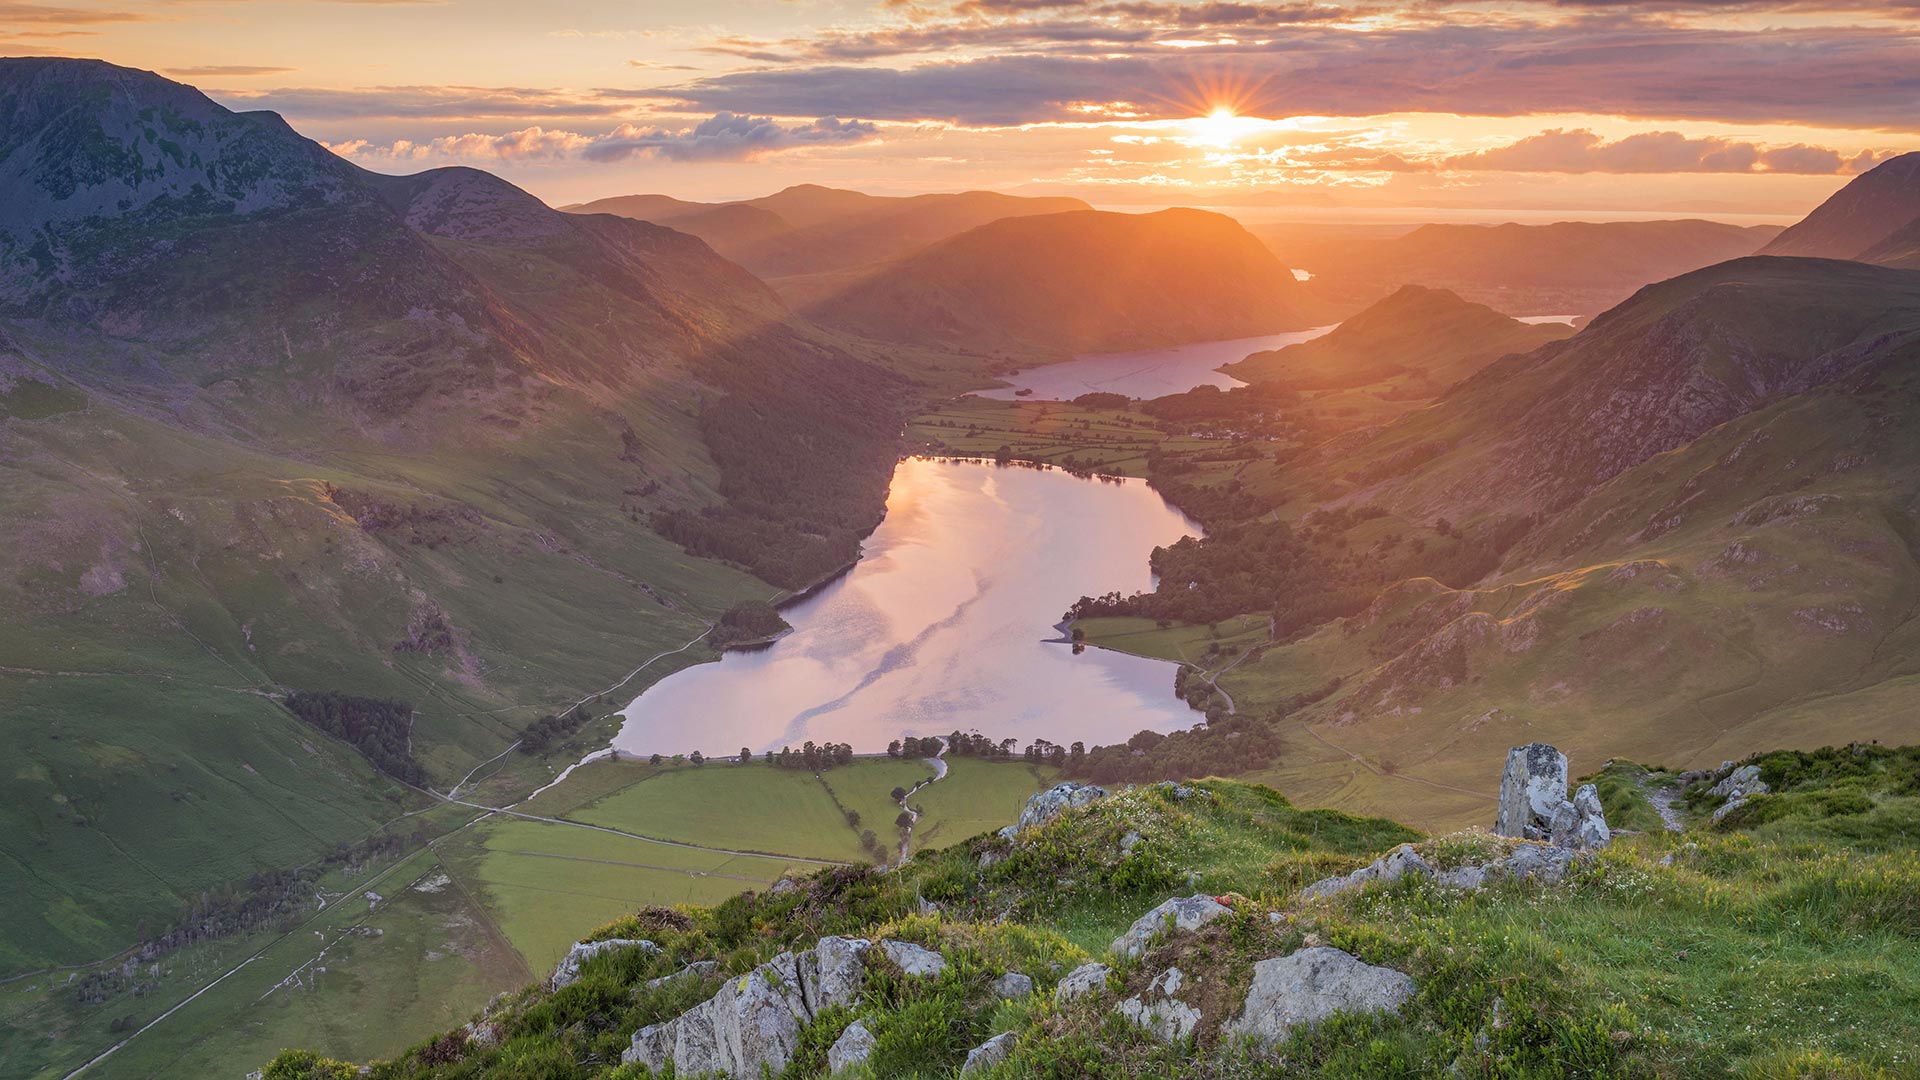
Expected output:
(899, 793)
(654, 760)
(893, 748)
(904, 821)
(698, 758)
(746, 754)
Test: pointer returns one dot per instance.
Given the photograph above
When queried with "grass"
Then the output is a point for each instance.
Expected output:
(1724, 953)
(755, 807)
(975, 797)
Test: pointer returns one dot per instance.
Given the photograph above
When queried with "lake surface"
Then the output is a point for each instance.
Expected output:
(1147, 374)
(943, 625)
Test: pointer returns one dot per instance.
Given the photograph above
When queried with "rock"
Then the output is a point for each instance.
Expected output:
(1544, 862)
(1159, 1012)
(1531, 791)
(832, 972)
(1179, 913)
(1740, 783)
(1392, 866)
(699, 969)
(568, 972)
(989, 1053)
(1012, 985)
(1053, 802)
(753, 1023)
(917, 962)
(1311, 985)
(994, 857)
(925, 906)
(1463, 877)
(1129, 842)
(1728, 807)
(782, 887)
(1182, 792)
(1085, 979)
(853, 1047)
(1590, 831)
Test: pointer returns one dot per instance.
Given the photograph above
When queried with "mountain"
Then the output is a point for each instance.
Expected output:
(1418, 340)
(1565, 268)
(1873, 206)
(1075, 282)
(808, 229)
(416, 451)
(1685, 533)
(1900, 249)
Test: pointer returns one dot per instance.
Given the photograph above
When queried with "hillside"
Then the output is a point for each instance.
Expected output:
(1873, 206)
(1214, 930)
(272, 423)
(1565, 268)
(1418, 341)
(1684, 533)
(808, 229)
(1063, 283)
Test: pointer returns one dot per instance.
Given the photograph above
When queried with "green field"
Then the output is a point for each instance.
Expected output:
(976, 797)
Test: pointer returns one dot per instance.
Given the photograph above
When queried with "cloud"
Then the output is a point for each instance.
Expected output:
(221, 70)
(47, 14)
(724, 137)
(1839, 76)
(728, 137)
(420, 103)
(1580, 151)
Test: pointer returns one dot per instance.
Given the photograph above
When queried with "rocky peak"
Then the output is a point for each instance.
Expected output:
(1870, 208)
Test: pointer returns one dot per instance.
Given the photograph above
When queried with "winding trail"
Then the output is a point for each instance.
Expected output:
(939, 763)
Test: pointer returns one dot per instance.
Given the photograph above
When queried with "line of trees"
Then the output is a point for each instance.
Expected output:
(551, 730)
(811, 756)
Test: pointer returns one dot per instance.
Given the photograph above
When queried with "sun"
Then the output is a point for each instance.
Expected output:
(1220, 127)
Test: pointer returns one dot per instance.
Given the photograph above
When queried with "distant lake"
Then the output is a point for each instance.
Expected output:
(1149, 373)
(943, 624)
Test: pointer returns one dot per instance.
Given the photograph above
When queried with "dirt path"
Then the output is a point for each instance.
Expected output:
(939, 763)
(1663, 799)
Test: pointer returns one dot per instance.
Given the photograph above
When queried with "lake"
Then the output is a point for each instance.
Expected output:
(943, 625)
(1149, 373)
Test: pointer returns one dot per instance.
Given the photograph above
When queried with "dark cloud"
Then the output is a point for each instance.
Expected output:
(1840, 76)
(1580, 151)
(727, 137)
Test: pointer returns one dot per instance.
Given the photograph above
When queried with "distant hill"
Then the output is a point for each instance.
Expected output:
(1418, 339)
(1076, 282)
(1565, 268)
(808, 229)
(1871, 208)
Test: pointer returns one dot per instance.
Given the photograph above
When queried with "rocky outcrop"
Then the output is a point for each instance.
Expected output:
(1081, 981)
(699, 969)
(568, 972)
(989, 1053)
(1534, 803)
(1053, 802)
(1159, 1011)
(916, 962)
(1392, 866)
(1177, 914)
(755, 1021)
(852, 1048)
(1308, 986)
(1737, 786)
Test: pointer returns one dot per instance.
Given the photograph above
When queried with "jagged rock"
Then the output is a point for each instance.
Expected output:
(1179, 913)
(1182, 792)
(1531, 790)
(568, 972)
(989, 1053)
(1468, 877)
(853, 1047)
(1546, 862)
(1740, 783)
(832, 973)
(1159, 1012)
(1129, 842)
(917, 962)
(754, 1021)
(1051, 803)
(1085, 979)
(1590, 832)
(699, 969)
(1012, 985)
(782, 887)
(1392, 866)
(1309, 986)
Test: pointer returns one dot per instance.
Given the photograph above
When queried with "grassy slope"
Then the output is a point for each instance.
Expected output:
(1784, 942)
(515, 893)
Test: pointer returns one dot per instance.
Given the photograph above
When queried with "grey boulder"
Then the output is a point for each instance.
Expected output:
(1085, 979)
(1053, 802)
(853, 1047)
(989, 1053)
(1159, 1012)
(1534, 803)
(832, 972)
(1012, 985)
(1308, 986)
(918, 963)
(568, 972)
(1392, 866)
(1179, 913)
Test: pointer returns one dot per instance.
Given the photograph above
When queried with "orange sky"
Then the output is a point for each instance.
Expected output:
(1314, 108)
